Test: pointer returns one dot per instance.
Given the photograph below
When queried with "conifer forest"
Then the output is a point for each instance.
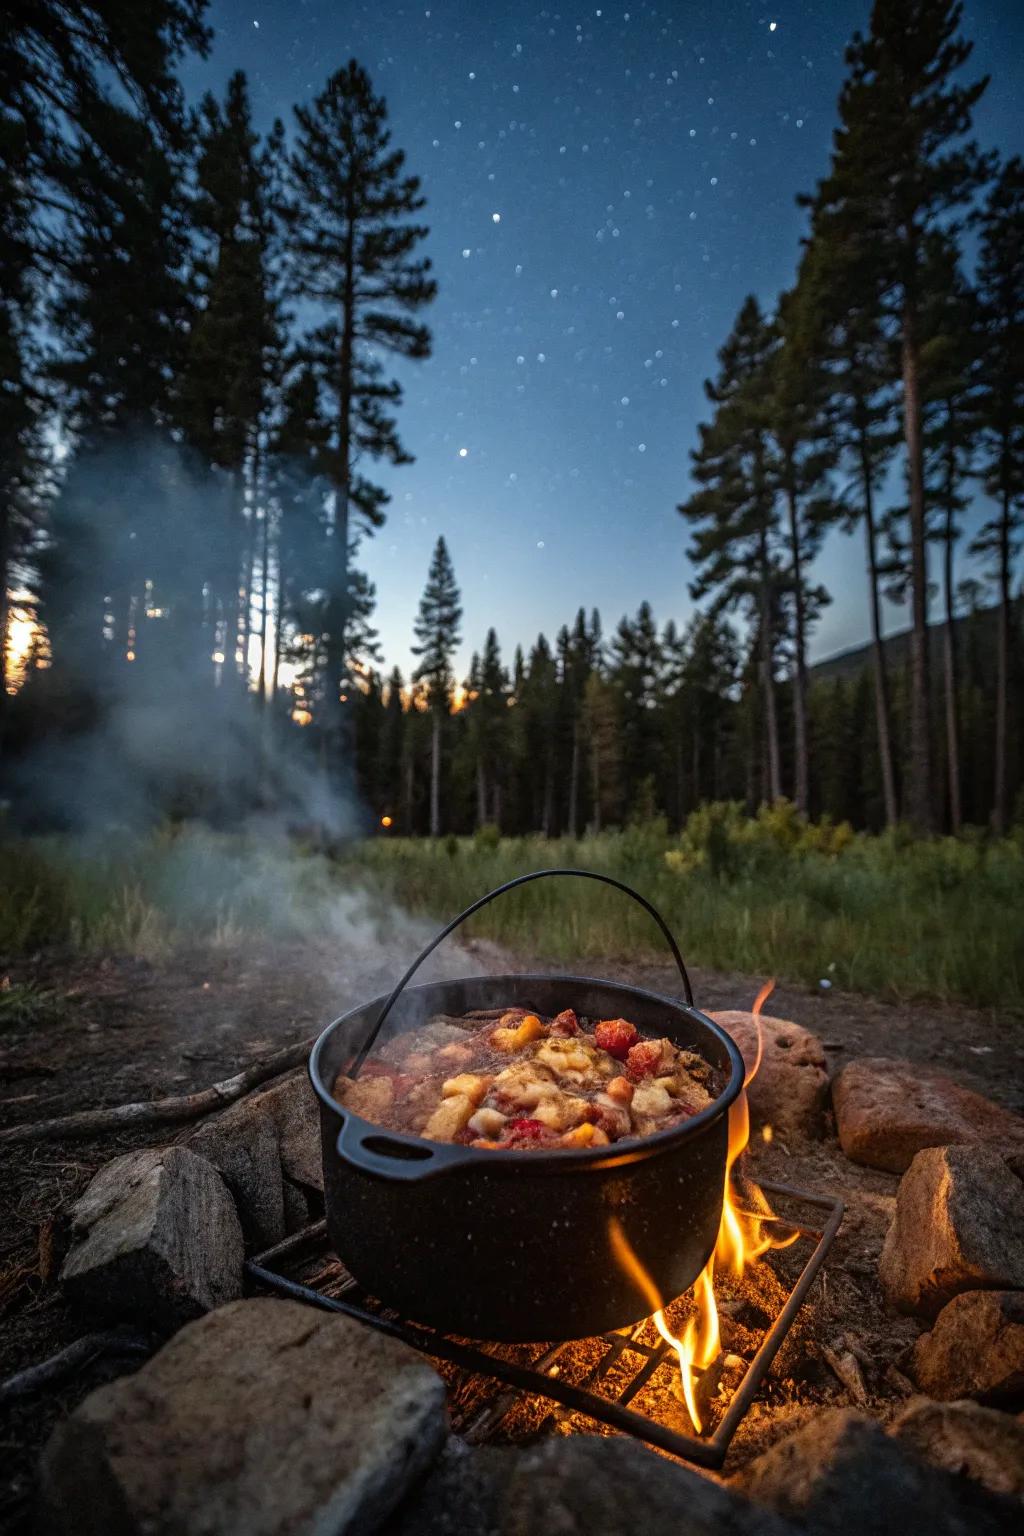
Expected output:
(206, 332)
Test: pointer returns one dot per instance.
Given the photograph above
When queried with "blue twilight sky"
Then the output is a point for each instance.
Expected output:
(605, 184)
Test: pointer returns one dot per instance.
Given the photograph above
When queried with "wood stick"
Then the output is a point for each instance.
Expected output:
(170, 1111)
(116, 1340)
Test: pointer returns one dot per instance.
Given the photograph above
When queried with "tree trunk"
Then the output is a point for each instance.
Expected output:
(882, 710)
(801, 793)
(5, 610)
(767, 649)
(336, 649)
(407, 794)
(919, 798)
(595, 775)
(481, 793)
(949, 641)
(999, 807)
(574, 780)
(435, 774)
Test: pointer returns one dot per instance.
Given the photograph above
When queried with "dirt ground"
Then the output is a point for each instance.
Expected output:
(127, 1029)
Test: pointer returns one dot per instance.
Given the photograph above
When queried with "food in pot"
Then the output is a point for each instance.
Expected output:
(516, 1081)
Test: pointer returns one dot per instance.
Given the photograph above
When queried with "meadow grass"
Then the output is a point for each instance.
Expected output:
(888, 916)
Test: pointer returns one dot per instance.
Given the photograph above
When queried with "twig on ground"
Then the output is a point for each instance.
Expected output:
(846, 1369)
(114, 1341)
(180, 1107)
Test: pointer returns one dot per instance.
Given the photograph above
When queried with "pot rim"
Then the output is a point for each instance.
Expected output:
(554, 1159)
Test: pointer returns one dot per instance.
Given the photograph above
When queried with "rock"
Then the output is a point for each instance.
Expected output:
(465, 1492)
(979, 1443)
(267, 1418)
(244, 1150)
(293, 1107)
(791, 1087)
(976, 1348)
(841, 1473)
(889, 1110)
(583, 1484)
(288, 1114)
(155, 1238)
(959, 1226)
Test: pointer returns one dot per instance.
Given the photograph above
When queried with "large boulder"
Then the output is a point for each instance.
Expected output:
(975, 1442)
(267, 1418)
(889, 1110)
(790, 1089)
(958, 1226)
(155, 1238)
(841, 1473)
(976, 1348)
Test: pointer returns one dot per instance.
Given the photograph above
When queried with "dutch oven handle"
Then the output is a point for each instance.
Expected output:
(416, 1168)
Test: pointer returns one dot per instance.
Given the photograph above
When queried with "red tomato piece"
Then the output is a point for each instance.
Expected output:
(566, 1023)
(526, 1129)
(644, 1059)
(616, 1037)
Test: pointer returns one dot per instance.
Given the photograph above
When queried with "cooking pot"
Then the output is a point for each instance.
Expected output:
(523, 1246)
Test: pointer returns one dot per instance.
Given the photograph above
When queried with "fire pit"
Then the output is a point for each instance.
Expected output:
(518, 1392)
(437, 1242)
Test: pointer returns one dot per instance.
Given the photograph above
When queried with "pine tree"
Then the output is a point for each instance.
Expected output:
(1001, 295)
(353, 257)
(392, 749)
(736, 544)
(637, 662)
(438, 636)
(121, 311)
(234, 354)
(488, 719)
(805, 457)
(949, 368)
(901, 168)
(846, 321)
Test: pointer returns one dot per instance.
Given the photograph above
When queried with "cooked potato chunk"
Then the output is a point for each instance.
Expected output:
(469, 1083)
(449, 1118)
(524, 1032)
(488, 1123)
(564, 1056)
(649, 1099)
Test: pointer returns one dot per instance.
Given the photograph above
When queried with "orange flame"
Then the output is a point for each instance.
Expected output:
(741, 1240)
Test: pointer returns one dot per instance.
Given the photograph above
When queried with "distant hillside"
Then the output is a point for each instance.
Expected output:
(980, 626)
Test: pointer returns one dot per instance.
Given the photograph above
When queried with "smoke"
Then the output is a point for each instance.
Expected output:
(143, 714)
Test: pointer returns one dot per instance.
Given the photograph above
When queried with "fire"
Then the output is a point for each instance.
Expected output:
(742, 1238)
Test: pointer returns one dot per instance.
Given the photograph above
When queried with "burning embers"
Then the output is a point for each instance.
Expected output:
(743, 1236)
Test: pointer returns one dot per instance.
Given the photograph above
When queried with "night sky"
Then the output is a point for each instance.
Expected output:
(605, 184)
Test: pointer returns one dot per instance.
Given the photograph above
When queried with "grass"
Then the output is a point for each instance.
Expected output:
(887, 916)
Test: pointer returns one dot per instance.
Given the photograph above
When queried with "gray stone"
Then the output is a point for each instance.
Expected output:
(244, 1150)
(155, 1237)
(580, 1485)
(593, 1483)
(790, 1089)
(958, 1226)
(464, 1493)
(841, 1474)
(287, 1114)
(888, 1110)
(293, 1107)
(266, 1418)
(975, 1442)
(976, 1348)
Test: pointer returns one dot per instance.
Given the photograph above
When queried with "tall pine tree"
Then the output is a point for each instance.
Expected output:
(438, 635)
(353, 250)
(901, 168)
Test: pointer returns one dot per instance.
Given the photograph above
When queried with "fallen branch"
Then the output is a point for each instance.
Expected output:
(171, 1111)
(115, 1341)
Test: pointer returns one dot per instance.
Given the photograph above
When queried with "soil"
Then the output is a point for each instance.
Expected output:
(126, 1029)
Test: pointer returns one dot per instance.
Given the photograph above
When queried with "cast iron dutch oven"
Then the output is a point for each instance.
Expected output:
(523, 1246)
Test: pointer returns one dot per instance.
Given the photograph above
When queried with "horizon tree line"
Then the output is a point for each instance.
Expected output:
(187, 467)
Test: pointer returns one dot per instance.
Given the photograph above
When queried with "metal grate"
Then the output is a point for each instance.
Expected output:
(621, 1364)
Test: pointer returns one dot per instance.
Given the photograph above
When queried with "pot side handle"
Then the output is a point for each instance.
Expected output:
(372, 1150)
